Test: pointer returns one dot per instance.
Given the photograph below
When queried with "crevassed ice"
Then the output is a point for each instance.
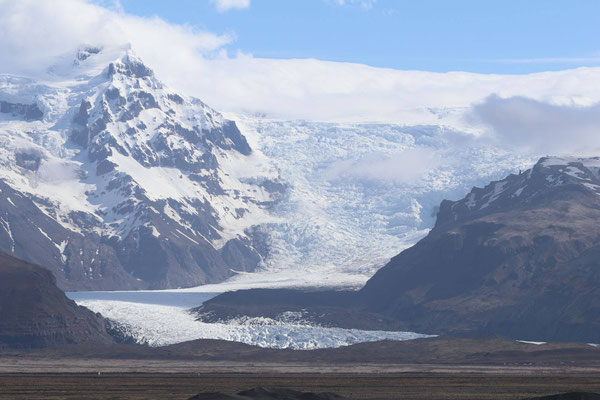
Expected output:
(361, 193)
(161, 325)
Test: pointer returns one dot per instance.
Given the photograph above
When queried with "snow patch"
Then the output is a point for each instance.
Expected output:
(530, 342)
(471, 200)
(61, 248)
(518, 192)
(186, 236)
(493, 196)
(45, 234)
(6, 226)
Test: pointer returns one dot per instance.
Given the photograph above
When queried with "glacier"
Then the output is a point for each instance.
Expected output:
(339, 227)
(161, 318)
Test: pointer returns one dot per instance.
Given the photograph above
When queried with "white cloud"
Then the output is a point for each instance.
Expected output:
(547, 60)
(534, 126)
(365, 4)
(226, 5)
(407, 166)
(34, 32)
(196, 63)
(333, 91)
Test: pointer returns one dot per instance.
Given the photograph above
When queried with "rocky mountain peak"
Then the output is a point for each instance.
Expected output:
(135, 115)
(549, 175)
(125, 182)
(85, 52)
(130, 65)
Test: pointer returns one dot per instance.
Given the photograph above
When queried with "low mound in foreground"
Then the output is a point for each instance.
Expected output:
(261, 393)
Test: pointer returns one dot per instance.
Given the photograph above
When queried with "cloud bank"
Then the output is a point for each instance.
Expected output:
(538, 127)
(226, 5)
(35, 32)
(206, 65)
(406, 167)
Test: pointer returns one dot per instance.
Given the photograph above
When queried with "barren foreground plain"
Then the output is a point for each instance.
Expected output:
(484, 384)
(434, 368)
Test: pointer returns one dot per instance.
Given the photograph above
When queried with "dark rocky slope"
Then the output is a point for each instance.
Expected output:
(327, 308)
(518, 258)
(34, 313)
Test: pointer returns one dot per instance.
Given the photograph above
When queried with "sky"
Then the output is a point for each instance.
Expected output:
(524, 73)
(492, 36)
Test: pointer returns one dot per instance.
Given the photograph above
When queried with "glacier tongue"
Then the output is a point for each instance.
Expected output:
(160, 318)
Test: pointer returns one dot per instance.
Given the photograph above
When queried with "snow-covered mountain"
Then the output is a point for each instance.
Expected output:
(114, 181)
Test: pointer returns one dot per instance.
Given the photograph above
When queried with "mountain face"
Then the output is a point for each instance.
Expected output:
(520, 257)
(34, 313)
(114, 181)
